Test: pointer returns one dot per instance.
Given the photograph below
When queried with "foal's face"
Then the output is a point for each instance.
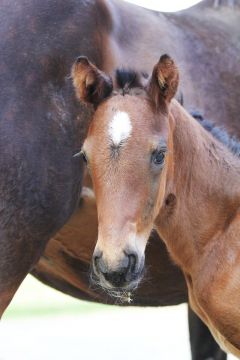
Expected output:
(126, 152)
(125, 149)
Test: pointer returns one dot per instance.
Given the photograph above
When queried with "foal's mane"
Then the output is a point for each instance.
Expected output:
(219, 133)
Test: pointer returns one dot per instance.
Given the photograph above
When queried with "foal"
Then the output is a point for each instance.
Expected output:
(154, 166)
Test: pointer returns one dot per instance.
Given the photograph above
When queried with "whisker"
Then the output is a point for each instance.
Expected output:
(120, 297)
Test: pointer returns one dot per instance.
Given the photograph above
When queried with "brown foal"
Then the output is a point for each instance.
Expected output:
(154, 166)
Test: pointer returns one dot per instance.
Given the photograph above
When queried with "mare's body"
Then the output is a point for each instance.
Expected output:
(186, 35)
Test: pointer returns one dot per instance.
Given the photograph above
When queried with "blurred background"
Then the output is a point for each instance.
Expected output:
(42, 323)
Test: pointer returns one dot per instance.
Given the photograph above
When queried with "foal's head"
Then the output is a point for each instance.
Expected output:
(126, 150)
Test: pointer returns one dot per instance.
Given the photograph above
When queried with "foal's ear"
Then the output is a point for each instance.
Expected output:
(91, 84)
(164, 81)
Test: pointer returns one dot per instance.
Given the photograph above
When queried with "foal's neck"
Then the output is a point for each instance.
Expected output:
(204, 183)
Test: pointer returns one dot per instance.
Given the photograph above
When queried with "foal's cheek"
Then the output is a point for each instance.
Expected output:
(147, 215)
(147, 211)
(157, 185)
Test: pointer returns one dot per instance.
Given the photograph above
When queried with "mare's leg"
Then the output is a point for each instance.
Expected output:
(14, 265)
(5, 298)
(17, 255)
(203, 345)
(28, 218)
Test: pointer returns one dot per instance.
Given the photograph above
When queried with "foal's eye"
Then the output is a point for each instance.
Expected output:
(158, 157)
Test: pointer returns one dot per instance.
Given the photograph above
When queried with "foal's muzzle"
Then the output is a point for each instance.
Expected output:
(126, 275)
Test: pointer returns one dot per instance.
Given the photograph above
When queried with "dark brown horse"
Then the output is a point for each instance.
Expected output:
(42, 125)
(154, 166)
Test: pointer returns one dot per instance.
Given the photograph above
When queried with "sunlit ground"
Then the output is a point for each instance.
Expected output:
(42, 323)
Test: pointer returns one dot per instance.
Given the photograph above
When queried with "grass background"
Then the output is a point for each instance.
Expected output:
(36, 299)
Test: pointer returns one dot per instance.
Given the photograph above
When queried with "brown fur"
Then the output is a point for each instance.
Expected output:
(37, 200)
(165, 76)
(198, 180)
(111, 34)
(91, 84)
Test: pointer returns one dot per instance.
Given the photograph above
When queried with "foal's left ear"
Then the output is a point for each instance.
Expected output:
(91, 84)
(164, 81)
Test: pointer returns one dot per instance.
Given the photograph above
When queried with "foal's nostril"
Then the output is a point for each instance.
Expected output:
(132, 263)
(97, 263)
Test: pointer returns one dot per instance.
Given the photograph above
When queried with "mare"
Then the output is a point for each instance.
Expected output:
(154, 166)
(42, 125)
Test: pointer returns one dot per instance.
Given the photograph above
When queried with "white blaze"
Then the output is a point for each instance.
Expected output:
(120, 127)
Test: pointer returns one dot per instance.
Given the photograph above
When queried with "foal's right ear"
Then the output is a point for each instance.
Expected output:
(91, 84)
(164, 81)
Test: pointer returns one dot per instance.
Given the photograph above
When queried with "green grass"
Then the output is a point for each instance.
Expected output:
(35, 299)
